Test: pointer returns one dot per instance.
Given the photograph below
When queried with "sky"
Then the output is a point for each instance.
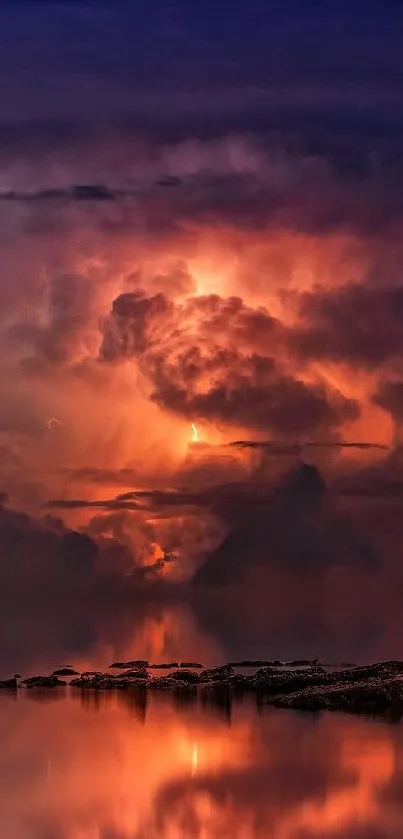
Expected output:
(201, 301)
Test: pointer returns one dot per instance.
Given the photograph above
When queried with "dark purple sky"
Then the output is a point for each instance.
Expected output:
(329, 74)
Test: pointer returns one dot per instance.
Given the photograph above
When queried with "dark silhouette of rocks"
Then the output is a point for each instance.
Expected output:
(379, 695)
(125, 665)
(217, 673)
(91, 673)
(65, 671)
(111, 681)
(188, 676)
(96, 681)
(135, 673)
(248, 663)
(375, 689)
(286, 681)
(167, 666)
(193, 664)
(44, 682)
(170, 684)
(303, 662)
(9, 684)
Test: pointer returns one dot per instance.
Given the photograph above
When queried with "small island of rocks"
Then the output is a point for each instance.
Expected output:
(304, 685)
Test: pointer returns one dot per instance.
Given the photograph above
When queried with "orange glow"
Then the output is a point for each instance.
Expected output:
(142, 770)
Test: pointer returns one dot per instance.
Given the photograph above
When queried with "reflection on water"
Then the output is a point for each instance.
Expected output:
(131, 767)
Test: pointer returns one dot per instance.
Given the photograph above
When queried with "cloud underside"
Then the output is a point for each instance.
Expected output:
(232, 284)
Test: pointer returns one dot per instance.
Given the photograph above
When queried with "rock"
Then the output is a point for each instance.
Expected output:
(65, 671)
(273, 681)
(303, 662)
(125, 665)
(217, 673)
(94, 681)
(110, 681)
(139, 673)
(237, 683)
(372, 696)
(165, 666)
(258, 663)
(375, 689)
(91, 673)
(191, 664)
(240, 682)
(9, 684)
(187, 676)
(168, 683)
(44, 682)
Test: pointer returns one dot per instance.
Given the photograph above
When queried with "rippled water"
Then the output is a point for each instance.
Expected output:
(115, 767)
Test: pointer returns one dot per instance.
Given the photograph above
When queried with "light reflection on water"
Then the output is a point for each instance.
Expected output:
(131, 767)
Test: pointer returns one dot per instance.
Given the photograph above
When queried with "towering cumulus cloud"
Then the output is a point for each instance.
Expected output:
(218, 251)
(217, 359)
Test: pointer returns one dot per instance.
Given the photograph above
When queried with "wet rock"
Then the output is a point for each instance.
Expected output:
(168, 683)
(91, 673)
(237, 684)
(303, 662)
(137, 673)
(372, 696)
(375, 689)
(110, 681)
(65, 671)
(187, 676)
(163, 666)
(385, 669)
(98, 681)
(274, 681)
(258, 663)
(126, 665)
(217, 673)
(9, 684)
(44, 682)
(193, 664)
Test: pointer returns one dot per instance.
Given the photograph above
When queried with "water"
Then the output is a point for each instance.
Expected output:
(160, 767)
(113, 768)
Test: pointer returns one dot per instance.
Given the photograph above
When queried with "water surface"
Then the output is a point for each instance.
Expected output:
(119, 767)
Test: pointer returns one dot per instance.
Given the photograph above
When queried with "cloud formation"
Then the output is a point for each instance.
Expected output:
(214, 358)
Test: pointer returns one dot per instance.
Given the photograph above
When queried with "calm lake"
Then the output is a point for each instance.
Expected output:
(111, 767)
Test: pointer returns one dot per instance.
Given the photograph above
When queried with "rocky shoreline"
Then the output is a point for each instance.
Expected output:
(375, 689)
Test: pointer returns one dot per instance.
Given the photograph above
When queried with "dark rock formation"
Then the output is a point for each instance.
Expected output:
(217, 673)
(247, 663)
(111, 681)
(191, 664)
(274, 681)
(376, 696)
(168, 683)
(125, 665)
(91, 673)
(303, 662)
(9, 684)
(375, 689)
(136, 673)
(188, 676)
(43, 682)
(65, 671)
(168, 666)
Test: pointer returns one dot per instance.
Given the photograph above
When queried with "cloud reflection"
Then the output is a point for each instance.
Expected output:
(71, 773)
